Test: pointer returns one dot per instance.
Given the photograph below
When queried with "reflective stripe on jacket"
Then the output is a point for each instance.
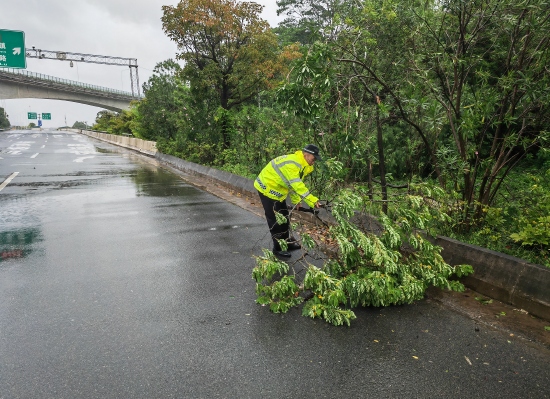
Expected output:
(283, 176)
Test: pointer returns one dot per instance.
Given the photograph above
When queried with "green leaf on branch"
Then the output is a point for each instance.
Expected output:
(283, 244)
(307, 241)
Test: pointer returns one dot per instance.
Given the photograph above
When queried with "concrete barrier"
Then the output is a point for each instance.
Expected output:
(497, 275)
(503, 277)
(231, 181)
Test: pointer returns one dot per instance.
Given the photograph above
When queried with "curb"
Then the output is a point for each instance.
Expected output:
(506, 278)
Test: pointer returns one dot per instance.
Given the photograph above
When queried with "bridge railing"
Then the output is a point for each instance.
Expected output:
(49, 78)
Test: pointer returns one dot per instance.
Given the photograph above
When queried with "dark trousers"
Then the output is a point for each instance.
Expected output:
(278, 231)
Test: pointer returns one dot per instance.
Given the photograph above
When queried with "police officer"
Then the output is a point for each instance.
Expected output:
(280, 177)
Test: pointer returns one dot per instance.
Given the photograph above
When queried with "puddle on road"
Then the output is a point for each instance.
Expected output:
(19, 243)
(106, 151)
(156, 182)
(186, 204)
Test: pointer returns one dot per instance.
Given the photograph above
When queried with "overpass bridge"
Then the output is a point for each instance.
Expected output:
(18, 83)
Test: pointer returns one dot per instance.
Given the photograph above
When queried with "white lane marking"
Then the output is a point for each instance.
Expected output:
(7, 181)
(43, 146)
(34, 156)
(19, 147)
(81, 159)
(78, 149)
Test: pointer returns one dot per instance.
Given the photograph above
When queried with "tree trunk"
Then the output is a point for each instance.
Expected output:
(224, 128)
(382, 167)
(370, 180)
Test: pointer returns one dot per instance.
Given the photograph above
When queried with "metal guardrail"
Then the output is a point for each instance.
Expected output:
(67, 82)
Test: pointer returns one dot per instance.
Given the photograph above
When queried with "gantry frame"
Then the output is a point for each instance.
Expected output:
(89, 58)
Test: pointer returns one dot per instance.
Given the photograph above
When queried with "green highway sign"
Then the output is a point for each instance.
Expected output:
(46, 116)
(12, 49)
(32, 115)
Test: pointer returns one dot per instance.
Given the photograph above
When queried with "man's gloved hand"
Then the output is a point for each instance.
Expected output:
(315, 211)
(317, 205)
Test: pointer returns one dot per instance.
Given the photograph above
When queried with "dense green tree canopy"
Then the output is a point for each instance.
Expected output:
(305, 18)
(227, 47)
(158, 112)
(80, 125)
(4, 122)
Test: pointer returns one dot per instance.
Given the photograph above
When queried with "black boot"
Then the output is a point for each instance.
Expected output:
(278, 251)
(293, 243)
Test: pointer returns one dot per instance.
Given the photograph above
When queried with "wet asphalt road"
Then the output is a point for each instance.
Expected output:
(131, 283)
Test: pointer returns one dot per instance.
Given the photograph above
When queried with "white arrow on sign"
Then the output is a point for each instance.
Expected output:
(17, 51)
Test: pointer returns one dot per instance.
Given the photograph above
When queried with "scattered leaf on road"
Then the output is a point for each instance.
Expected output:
(484, 301)
(468, 360)
(415, 357)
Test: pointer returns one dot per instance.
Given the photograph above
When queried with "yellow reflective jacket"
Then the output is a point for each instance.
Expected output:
(283, 175)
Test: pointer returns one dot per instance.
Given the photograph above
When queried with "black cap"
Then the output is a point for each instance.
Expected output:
(314, 150)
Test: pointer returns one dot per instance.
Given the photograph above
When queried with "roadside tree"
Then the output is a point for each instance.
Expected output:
(79, 125)
(157, 113)
(4, 122)
(306, 18)
(227, 48)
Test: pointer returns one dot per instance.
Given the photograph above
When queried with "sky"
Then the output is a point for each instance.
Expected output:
(118, 28)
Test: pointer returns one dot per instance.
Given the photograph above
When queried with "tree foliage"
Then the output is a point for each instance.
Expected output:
(4, 122)
(158, 112)
(304, 19)
(469, 79)
(484, 64)
(102, 120)
(80, 125)
(116, 122)
(226, 46)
